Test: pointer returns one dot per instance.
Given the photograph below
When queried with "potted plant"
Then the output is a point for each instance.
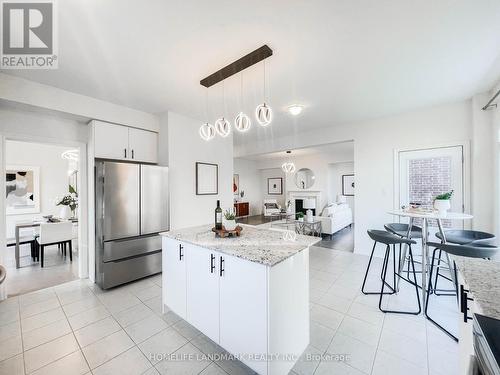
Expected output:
(300, 216)
(69, 204)
(228, 221)
(442, 202)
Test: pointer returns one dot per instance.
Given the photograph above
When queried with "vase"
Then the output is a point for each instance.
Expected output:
(229, 224)
(442, 206)
(65, 212)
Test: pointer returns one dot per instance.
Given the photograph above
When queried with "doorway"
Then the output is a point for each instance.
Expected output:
(426, 173)
(43, 185)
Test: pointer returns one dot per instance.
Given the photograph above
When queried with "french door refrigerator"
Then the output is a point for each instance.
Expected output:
(131, 208)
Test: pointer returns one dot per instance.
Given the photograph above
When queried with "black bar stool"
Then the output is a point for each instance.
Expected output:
(380, 236)
(401, 230)
(471, 250)
(458, 237)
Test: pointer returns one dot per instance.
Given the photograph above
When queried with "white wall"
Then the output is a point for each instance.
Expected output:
(53, 175)
(335, 172)
(374, 145)
(320, 165)
(18, 90)
(33, 124)
(185, 148)
(272, 173)
(250, 182)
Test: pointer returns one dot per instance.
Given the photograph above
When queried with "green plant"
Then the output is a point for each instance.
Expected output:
(70, 199)
(229, 215)
(444, 196)
(300, 215)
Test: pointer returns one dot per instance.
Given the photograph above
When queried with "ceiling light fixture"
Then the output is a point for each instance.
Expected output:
(242, 122)
(70, 155)
(288, 167)
(295, 109)
(222, 125)
(264, 113)
(207, 130)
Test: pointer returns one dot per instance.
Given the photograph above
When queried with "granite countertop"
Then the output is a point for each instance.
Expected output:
(483, 279)
(265, 246)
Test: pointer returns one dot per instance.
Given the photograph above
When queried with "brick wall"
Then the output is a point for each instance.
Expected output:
(427, 178)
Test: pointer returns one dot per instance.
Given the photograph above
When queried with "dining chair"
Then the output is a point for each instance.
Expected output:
(55, 234)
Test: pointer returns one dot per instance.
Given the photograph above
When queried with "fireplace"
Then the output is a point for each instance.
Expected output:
(299, 207)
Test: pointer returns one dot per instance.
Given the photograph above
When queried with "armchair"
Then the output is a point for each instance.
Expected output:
(271, 207)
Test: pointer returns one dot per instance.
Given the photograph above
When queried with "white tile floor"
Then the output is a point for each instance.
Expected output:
(76, 328)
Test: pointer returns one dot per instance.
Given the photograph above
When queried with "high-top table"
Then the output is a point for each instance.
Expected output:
(426, 216)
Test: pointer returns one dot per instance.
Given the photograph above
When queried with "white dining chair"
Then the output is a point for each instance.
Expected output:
(55, 234)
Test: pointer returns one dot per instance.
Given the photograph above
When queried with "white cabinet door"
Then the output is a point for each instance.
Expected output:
(243, 309)
(143, 145)
(174, 276)
(110, 141)
(203, 290)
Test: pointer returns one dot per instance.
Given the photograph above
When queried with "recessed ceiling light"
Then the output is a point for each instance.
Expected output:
(295, 109)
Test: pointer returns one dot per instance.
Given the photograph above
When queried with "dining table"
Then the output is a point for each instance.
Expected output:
(28, 224)
(426, 216)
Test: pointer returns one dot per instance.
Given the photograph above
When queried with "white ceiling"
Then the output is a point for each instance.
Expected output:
(343, 151)
(344, 60)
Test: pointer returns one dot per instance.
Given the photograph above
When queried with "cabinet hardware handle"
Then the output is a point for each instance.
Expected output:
(125, 152)
(180, 252)
(132, 153)
(212, 263)
(221, 266)
(463, 303)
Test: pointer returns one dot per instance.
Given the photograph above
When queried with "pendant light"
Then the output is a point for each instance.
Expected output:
(242, 122)
(288, 167)
(222, 125)
(207, 130)
(264, 113)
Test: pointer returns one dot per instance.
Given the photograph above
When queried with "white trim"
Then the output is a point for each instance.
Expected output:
(466, 182)
(83, 235)
(3, 229)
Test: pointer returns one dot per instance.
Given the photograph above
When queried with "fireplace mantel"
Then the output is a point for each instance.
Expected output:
(303, 194)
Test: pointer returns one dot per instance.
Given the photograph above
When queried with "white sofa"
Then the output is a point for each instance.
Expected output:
(335, 217)
(271, 207)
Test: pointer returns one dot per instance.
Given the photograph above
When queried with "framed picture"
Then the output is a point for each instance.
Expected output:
(22, 184)
(275, 186)
(348, 185)
(236, 184)
(207, 179)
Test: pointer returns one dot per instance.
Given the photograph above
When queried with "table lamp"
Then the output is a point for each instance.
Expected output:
(309, 204)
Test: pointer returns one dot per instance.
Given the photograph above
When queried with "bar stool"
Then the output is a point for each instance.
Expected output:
(462, 237)
(401, 230)
(471, 250)
(380, 236)
(459, 237)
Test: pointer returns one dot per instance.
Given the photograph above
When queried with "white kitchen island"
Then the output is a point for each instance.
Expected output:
(249, 294)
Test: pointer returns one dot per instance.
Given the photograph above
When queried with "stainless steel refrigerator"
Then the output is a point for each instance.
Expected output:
(131, 209)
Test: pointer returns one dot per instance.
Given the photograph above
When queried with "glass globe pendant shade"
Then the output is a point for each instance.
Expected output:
(263, 114)
(288, 167)
(223, 127)
(242, 122)
(207, 131)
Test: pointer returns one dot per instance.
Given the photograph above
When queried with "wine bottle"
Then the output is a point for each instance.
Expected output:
(218, 216)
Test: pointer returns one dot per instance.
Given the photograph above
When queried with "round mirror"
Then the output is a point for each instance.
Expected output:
(304, 178)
